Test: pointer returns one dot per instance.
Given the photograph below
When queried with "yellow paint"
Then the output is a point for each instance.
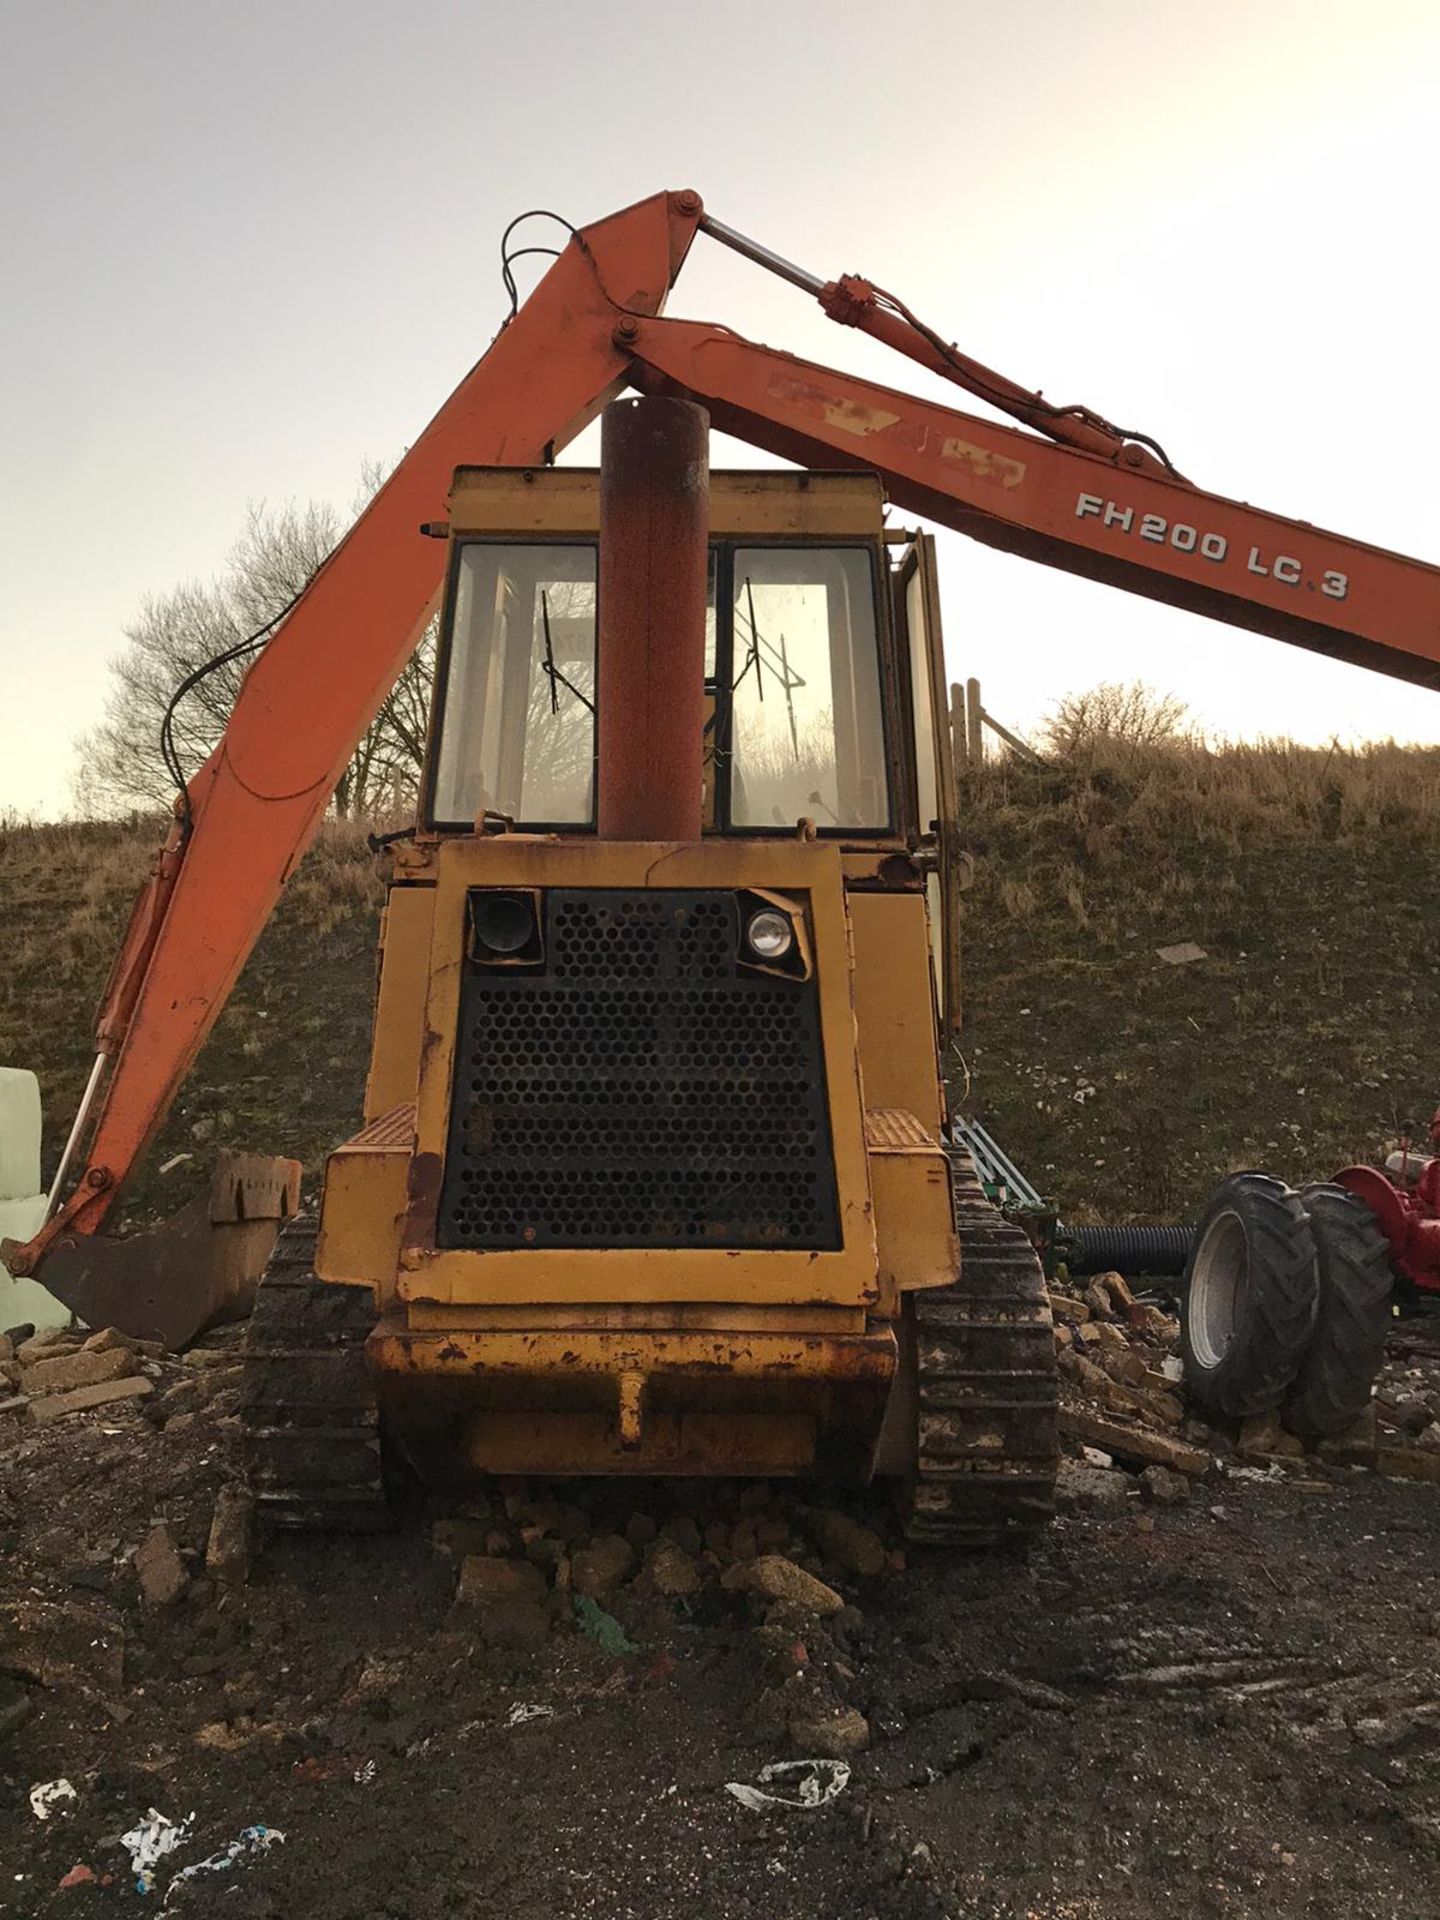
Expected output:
(566, 500)
(400, 1002)
(893, 1004)
(910, 1178)
(846, 1277)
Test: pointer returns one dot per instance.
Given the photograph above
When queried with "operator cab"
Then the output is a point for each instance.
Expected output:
(812, 712)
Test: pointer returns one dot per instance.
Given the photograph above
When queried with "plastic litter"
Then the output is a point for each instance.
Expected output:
(150, 1841)
(51, 1796)
(602, 1627)
(363, 1775)
(522, 1711)
(252, 1841)
(811, 1784)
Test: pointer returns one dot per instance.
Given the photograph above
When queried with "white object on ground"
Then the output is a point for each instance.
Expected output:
(22, 1205)
(521, 1712)
(253, 1840)
(148, 1844)
(812, 1783)
(51, 1796)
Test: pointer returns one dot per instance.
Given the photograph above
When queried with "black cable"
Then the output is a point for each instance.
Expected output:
(506, 258)
(169, 753)
(1006, 402)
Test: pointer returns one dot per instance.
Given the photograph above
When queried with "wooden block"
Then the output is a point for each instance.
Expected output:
(55, 1406)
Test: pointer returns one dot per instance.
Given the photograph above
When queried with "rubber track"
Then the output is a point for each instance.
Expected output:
(1351, 1327)
(311, 1431)
(985, 1385)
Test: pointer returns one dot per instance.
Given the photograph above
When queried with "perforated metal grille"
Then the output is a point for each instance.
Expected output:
(640, 1090)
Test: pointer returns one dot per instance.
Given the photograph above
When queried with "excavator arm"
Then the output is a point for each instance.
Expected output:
(1088, 497)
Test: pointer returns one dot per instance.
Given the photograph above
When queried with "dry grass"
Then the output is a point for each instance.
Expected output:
(1125, 1086)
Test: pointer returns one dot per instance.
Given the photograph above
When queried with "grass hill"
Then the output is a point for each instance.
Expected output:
(1123, 1086)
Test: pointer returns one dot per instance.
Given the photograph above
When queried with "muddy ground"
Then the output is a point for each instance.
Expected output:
(1224, 1708)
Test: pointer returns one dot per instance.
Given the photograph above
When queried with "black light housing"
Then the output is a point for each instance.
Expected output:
(504, 926)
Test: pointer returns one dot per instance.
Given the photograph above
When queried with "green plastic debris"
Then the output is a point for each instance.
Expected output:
(602, 1627)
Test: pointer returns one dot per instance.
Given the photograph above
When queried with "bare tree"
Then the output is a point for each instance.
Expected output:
(177, 632)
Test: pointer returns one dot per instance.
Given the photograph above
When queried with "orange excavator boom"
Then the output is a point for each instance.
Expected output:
(1087, 497)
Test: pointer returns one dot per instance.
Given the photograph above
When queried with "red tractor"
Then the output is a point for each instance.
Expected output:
(1289, 1295)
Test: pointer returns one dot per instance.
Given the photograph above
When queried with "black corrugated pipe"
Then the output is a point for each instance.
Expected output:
(1159, 1251)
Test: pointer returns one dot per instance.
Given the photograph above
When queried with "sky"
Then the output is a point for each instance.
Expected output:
(245, 249)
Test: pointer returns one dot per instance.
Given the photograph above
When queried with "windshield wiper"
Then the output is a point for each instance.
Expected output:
(551, 671)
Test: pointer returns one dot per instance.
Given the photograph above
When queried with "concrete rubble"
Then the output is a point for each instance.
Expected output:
(1122, 1394)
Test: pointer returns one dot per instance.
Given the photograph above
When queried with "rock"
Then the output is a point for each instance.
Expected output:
(777, 1578)
(846, 1542)
(11, 1372)
(829, 1733)
(1097, 1300)
(485, 1581)
(603, 1565)
(1164, 1488)
(203, 1358)
(14, 1402)
(1411, 1412)
(1408, 1463)
(1096, 1457)
(1073, 1312)
(640, 1529)
(1263, 1437)
(17, 1336)
(519, 1624)
(227, 1551)
(1092, 1488)
(7, 1347)
(772, 1533)
(159, 1568)
(1122, 1363)
(1107, 1334)
(1430, 1437)
(684, 1532)
(1356, 1446)
(1132, 1443)
(547, 1554)
(107, 1341)
(58, 1406)
(45, 1344)
(69, 1370)
(671, 1570)
(1120, 1297)
(1064, 1337)
(456, 1537)
(743, 1542)
(1088, 1336)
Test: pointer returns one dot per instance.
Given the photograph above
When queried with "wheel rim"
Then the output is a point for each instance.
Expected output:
(1217, 1284)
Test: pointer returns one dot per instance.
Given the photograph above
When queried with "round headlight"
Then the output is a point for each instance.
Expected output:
(770, 934)
(504, 922)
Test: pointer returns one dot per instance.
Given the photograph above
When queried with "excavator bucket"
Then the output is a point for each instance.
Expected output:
(202, 1266)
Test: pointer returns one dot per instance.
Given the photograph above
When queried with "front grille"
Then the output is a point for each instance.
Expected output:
(638, 1088)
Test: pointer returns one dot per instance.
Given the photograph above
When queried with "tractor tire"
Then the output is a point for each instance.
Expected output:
(1251, 1297)
(1347, 1347)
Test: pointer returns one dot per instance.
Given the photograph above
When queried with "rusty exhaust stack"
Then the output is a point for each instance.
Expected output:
(650, 678)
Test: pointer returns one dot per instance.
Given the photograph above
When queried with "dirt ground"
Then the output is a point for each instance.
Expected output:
(1224, 1708)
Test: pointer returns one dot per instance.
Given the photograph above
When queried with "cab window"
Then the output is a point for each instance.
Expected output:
(794, 726)
(517, 717)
